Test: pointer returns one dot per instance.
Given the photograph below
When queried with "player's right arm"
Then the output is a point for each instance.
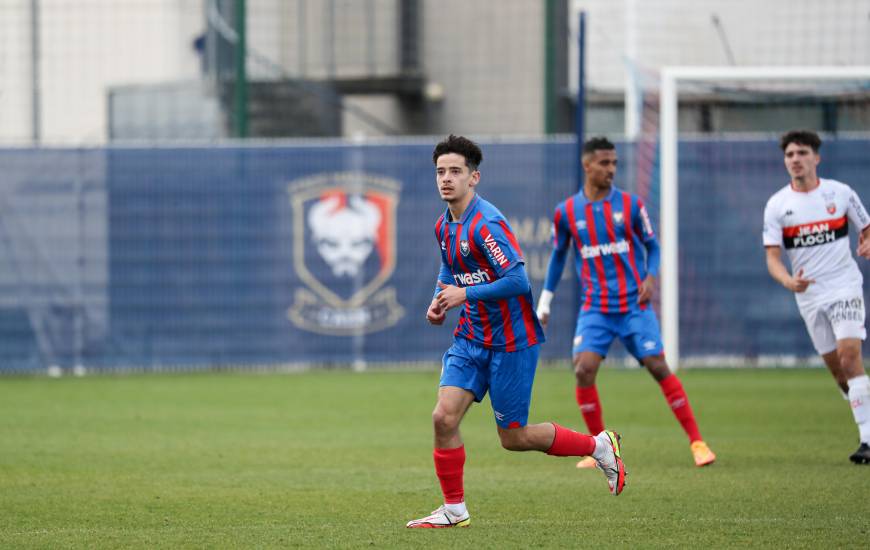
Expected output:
(436, 314)
(555, 267)
(780, 274)
(772, 237)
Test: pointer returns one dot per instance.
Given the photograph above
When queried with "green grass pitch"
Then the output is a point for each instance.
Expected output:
(342, 460)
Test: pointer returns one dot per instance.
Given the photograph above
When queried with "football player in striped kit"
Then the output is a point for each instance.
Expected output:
(496, 341)
(616, 258)
(810, 219)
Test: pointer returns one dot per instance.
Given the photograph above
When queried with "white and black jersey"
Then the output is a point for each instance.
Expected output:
(813, 228)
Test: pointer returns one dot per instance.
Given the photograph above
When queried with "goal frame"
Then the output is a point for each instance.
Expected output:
(671, 76)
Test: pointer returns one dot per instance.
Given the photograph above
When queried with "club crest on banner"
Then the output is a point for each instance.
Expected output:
(344, 252)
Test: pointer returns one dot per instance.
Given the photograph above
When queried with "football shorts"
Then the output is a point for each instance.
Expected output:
(835, 320)
(507, 375)
(638, 330)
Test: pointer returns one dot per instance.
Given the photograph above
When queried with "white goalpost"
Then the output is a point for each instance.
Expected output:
(669, 177)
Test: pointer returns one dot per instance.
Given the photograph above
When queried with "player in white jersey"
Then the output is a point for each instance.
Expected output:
(810, 219)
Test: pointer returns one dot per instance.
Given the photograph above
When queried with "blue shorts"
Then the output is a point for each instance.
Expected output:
(508, 375)
(638, 330)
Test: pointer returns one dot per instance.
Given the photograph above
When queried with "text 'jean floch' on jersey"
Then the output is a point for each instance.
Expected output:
(815, 233)
(481, 248)
(610, 238)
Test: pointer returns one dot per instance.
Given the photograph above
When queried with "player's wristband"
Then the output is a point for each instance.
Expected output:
(544, 303)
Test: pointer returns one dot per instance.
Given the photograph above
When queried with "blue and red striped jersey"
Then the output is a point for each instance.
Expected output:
(612, 240)
(479, 249)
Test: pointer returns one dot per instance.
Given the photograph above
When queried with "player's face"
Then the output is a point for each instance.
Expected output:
(600, 167)
(454, 179)
(800, 161)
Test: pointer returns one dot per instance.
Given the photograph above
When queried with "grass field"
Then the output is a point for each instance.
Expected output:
(343, 460)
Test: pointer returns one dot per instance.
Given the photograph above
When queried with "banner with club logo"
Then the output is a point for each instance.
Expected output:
(303, 254)
(324, 253)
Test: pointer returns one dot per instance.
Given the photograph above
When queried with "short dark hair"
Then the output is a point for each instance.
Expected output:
(801, 137)
(461, 146)
(597, 143)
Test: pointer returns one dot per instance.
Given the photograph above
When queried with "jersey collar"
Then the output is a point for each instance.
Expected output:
(818, 184)
(472, 207)
(609, 196)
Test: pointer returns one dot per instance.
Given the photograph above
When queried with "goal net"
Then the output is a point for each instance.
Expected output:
(715, 172)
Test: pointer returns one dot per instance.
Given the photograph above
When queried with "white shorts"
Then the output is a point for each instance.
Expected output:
(835, 320)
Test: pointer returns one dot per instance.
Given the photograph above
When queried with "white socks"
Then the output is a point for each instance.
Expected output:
(859, 399)
(458, 510)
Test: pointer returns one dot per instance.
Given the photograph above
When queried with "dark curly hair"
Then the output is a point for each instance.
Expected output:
(801, 137)
(597, 143)
(461, 146)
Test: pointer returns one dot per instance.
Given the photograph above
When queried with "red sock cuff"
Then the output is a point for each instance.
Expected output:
(590, 408)
(671, 384)
(677, 399)
(449, 466)
(448, 461)
(587, 394)
(570, 443)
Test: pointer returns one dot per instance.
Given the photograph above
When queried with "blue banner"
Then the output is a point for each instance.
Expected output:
(325, 253)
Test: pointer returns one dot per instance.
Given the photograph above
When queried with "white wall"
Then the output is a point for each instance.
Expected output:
(489, 58)
(87, 46)
(487, 54)
(15, 71)
(681, 32)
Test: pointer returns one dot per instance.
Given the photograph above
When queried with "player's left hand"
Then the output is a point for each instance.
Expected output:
(863, 246)
(450, 296)
(645, 292)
